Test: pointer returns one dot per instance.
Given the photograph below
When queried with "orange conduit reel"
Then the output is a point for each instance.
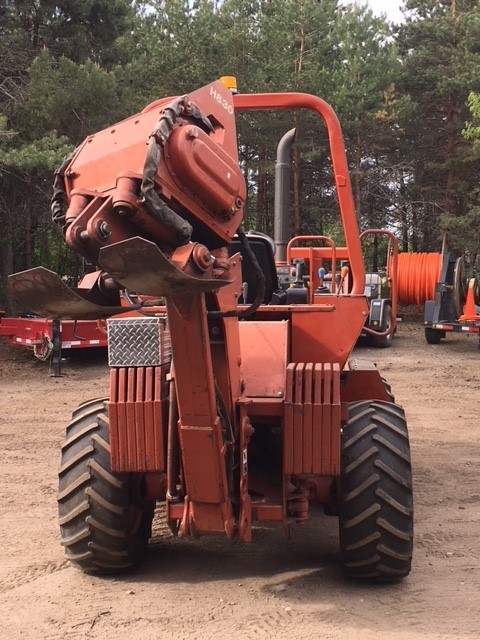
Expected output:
(417, 275)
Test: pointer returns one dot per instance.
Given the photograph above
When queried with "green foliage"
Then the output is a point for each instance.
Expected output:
(46, 153)
(55, 87)
(5, 133)
(73, 99)
(463, 231)
(466, 229)
(440, 49)
(78, 30)
(403, 96)
(472, 128)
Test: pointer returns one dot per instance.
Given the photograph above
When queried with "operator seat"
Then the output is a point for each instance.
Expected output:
(263, 247)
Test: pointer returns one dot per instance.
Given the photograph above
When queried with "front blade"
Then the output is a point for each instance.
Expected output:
(43, 292)
(141, 267)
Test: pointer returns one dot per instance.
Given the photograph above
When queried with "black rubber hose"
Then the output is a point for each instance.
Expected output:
(155, 204)
(58, 203)
(261, 281)
(159, 136)
(173, 458)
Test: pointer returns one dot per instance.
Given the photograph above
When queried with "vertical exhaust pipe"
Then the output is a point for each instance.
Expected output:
(281, 225)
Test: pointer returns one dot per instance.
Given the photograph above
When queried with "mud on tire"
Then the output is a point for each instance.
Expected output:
(104, 524)
(376, 505)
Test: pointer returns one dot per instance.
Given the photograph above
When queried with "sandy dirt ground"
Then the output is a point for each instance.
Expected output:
(274, 588)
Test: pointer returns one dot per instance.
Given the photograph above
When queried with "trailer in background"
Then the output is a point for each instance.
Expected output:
(47, 337)
(455, 306)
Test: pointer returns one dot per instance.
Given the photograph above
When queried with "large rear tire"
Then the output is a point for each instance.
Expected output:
(376, 503)
(104, 523)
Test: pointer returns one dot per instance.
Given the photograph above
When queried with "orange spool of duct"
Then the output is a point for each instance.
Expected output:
(417, 275)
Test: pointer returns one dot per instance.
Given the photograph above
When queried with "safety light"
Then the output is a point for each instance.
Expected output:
(230, 82)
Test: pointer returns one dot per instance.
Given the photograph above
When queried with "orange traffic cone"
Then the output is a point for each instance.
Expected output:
(469, 311)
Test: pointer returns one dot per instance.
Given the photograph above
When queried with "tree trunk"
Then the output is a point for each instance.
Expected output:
(7, 263)
(28, 238)
(404, 207)
(358, 177)
(414, 230)
(450, 160)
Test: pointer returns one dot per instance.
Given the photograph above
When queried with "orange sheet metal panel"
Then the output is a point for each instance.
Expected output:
(96, 164)
(298, 433)
(308, 419)
(312, 419)
(288, 434)
(327, 332)
(202, 459)
(130, 419)
(136, 424)
(363, 382)
(121, 426)
(151, 444)
(206, 519)
(159, 398)
(95, 167)
(326, 418)
(264, 349)
(336, 421)
(140, 416)
(113, 416)
(317, 419)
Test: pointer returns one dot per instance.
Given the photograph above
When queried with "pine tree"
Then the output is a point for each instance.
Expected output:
(441, 55)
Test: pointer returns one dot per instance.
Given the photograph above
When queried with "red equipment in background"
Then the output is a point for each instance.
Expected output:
(38, 334)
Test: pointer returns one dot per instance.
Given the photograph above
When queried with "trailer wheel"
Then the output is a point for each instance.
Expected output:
(382, 342)
(433, 336)
(104, 523)
(376, 505)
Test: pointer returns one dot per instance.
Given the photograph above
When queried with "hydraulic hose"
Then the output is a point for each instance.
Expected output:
(182, 107)
(261, 282)
(58, 203)
(173, 458)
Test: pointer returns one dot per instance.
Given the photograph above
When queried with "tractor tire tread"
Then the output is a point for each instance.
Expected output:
(102, 528)
(376, 503)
